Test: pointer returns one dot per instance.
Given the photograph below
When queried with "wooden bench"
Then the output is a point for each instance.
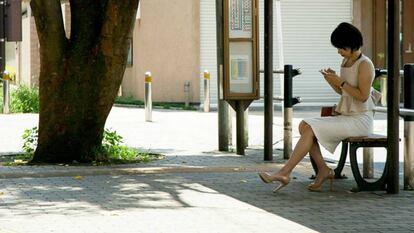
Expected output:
(373, 140)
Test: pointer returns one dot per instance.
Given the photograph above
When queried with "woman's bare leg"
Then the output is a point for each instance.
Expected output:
(315, 153)
(304, 145)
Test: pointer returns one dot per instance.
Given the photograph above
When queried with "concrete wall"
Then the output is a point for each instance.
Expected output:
(25, 55)
(166, 42)
(363, 19)
(29, 52)
(35, 54)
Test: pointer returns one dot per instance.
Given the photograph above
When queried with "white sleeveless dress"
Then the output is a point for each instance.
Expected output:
(355, 119)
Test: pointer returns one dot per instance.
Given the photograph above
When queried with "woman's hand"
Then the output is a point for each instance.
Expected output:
(331, 77)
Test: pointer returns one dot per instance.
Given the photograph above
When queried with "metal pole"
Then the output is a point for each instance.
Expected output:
(393, 82)
(231, 116)
(206, 91)
(6, 95)
(187, 93)
(148, 97)
(268, 83)
(409, 128)
(240, 127)
(3, 55)
(287, 112)
(222, 106)
(279, 45)
(246, 128)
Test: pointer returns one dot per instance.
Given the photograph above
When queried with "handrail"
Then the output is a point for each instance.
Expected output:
(383, 72)
(274, 71)
(403, 111)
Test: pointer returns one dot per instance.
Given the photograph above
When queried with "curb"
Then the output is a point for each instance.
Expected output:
(88, 171)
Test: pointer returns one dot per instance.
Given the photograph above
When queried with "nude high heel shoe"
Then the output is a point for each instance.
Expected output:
(317, 187)
(283, 180)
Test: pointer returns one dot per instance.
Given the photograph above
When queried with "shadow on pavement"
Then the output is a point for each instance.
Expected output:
(337, 211)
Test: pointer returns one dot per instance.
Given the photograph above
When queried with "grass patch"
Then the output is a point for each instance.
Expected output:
(163, 105)
(110, 152)
(15, 160)
(180, 106)
(128, 101)
(137, 157)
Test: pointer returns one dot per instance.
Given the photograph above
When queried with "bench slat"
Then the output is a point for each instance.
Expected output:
(370, 138)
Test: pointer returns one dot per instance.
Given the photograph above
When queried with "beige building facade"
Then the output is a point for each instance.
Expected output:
(166, 42)
(175, 41)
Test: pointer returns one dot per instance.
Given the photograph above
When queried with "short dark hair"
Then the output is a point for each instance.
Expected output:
(346, 35)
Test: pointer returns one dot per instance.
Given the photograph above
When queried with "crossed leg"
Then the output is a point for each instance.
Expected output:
(306, 144)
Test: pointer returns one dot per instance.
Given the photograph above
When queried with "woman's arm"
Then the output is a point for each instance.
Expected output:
(363, 90)
(333, 80)
(360, 92)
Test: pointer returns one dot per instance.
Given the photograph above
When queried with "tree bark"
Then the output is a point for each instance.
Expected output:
(80, 76)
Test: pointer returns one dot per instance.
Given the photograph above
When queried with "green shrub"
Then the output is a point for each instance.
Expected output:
(113, 148)
(110, 151)
(128, 101)
(377, 84)
(30, 140)
(24, 100)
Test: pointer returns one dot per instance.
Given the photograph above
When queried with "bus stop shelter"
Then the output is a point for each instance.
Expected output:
(393, 84)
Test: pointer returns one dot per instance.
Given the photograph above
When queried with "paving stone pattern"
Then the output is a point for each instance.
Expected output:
(196, 202)
(195, 189)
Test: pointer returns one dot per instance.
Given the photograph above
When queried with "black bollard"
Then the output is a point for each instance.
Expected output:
(288, 102)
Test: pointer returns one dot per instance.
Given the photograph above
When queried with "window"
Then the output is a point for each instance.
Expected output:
(130, 55)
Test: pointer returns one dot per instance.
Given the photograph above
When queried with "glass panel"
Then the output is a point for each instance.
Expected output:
(129, 59)
(240, 18)
(241, 67)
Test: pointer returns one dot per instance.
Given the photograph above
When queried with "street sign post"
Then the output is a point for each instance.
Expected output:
(10, 30)
(241, 55)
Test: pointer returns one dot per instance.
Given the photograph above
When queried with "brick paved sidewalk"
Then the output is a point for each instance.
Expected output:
(195, 189)
(196, 202)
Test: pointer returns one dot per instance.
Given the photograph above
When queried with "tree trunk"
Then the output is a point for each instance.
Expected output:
(80, 76)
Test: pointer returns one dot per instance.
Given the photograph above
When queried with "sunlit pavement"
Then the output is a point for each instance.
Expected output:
(185, 133)
(195, 189)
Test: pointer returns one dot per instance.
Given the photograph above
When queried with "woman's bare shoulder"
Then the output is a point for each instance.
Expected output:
(366, 64)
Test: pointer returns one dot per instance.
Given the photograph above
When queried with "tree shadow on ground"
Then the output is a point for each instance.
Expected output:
(338, 211)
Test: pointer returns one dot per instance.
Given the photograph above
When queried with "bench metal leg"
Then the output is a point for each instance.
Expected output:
(341, 163)
(364, 185)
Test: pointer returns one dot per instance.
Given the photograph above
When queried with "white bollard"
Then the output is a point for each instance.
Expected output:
(206, 91)
(287, 131)
(6, 92)
(148, 97)
(383, 88)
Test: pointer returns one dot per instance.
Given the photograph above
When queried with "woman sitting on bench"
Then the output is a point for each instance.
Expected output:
(355, 110)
